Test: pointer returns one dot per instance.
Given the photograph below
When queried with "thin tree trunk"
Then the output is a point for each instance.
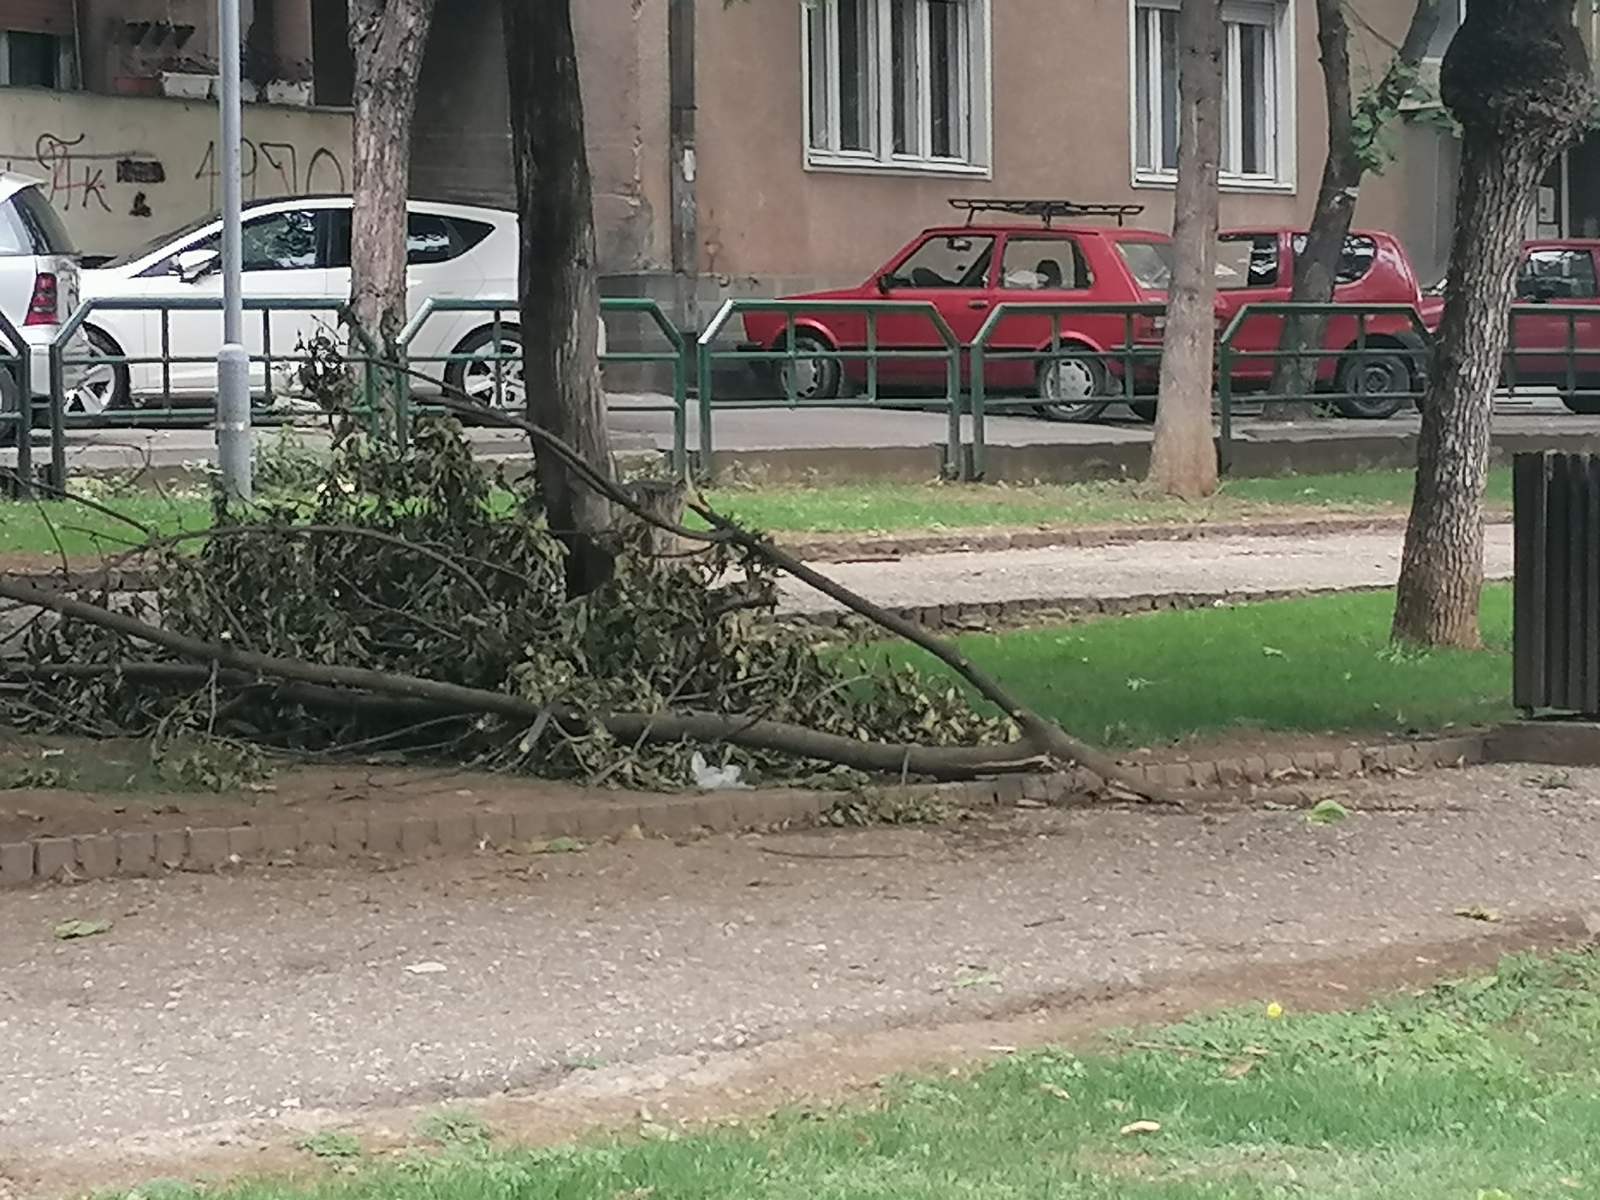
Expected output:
(1183, 459)
(1517, 79)
(559, 291)
(1316, 267)
(388, 38)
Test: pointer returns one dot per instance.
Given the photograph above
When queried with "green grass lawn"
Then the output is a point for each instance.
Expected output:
(842, 508)
(897, 507)
(1481, 1089)
(1314, 665)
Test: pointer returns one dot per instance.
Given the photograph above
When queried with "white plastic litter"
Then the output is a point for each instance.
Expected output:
(716, 779)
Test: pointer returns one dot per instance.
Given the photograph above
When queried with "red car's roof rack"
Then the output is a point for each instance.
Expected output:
(1044, 210)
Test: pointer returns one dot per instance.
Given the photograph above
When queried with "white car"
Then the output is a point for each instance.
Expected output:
(300, 247)
(39, 284)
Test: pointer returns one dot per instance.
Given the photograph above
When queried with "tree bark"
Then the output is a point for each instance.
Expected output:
(388, 38)
(1183, 459)
(1316, 268)
(559, 292)
(1517, 79)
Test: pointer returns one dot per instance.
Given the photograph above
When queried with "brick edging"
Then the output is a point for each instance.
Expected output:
(148, 853)
(1038, 610)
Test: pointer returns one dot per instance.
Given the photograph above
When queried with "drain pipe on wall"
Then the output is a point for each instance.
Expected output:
(685, 205)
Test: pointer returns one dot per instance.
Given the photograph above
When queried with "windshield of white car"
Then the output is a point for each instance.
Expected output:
(159, 243)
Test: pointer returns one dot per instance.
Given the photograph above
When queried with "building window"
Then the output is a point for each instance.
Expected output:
(34, 60)
(897, 84)
(1257, 92)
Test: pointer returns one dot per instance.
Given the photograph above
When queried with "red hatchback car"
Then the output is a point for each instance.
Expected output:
(966, 271)
(1256, 266)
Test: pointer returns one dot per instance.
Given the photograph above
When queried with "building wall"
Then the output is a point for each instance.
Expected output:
(1061, 128)
(461, 140)
(125, 169)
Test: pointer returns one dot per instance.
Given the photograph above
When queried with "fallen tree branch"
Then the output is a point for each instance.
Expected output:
(936, 762)
(1044, 736)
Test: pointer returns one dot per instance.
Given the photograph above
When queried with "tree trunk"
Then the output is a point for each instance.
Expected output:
(1183, 459)
(559, 292)
(1517, 79)
(387, 38)
(1316, 267)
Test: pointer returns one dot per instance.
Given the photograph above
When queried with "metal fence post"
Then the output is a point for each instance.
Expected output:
(58, 431)
(703, 362)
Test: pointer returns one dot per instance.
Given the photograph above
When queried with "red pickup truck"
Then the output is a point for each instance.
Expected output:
(1557, 276)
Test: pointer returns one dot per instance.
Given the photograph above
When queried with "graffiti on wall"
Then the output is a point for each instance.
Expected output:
(115, 188)
(79, 180)
(275, 169)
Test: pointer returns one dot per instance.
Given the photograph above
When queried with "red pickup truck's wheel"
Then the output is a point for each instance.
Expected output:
(814, 378)
(1375, 386)
(1070, 389)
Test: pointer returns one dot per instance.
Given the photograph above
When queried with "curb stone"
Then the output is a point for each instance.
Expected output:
(143, 853)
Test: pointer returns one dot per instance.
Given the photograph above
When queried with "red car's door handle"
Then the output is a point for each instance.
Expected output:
(978, 304)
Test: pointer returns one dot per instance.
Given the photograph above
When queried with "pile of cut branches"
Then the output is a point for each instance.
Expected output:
(418, 605)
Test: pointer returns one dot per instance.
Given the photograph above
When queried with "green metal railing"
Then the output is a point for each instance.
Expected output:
(1579, 389)
(169, 413)
(1067, 341)
(16, 403)
(787, 355)
(507, 363)
(1417, 351)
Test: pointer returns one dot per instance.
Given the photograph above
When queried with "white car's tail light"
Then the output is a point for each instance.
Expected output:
(42, 308)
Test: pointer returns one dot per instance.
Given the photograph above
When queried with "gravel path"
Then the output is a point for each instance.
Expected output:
(1232, 564)
(258, 997)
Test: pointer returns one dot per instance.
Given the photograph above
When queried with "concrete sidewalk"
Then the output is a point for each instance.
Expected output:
(236, 1009)
(1240, 565)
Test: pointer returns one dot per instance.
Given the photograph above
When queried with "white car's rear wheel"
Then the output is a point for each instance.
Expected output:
(104, 385)
(493, 377)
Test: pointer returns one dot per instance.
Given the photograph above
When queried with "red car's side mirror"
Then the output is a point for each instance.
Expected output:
(883, 285)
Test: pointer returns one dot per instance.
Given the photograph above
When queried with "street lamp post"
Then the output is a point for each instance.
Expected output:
(233, 364)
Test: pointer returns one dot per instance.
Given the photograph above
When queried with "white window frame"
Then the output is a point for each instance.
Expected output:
(976, 99)
(1279, 16)
(66, 65)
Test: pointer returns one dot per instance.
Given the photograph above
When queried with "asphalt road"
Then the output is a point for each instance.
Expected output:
(637, 425)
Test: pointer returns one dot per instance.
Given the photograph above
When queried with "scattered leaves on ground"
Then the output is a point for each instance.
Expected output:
(1327, 812)
(331, 1144)
(72, 930)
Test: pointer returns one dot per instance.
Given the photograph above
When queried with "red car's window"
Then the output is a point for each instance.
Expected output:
(1247, 261)
(1359, 254)
(1557, 274)
(946, 262)
(1044, 264)
(1150, 264)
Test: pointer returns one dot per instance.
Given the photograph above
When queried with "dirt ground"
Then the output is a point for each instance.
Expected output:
(112, 787)
(223, 1016)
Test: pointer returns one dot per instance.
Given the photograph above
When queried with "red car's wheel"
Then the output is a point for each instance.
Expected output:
(1071, 389)
(1376, 387)
(812, 378)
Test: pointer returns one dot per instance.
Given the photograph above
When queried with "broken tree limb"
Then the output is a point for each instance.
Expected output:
(944, 763)
(1044, 736)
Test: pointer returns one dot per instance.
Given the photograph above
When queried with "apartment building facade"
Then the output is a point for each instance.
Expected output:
(751, 147)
